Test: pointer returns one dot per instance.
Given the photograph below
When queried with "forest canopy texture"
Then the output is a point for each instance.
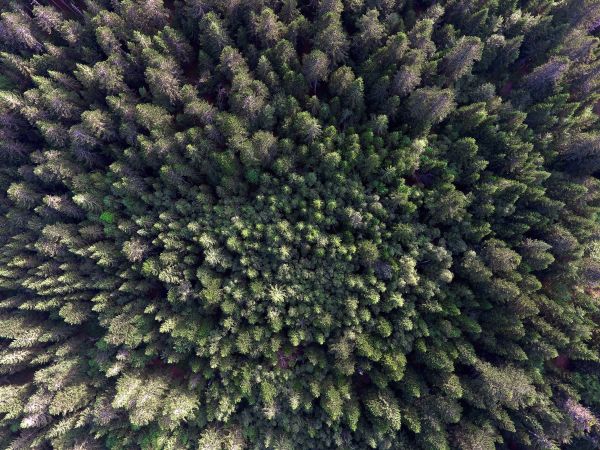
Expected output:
(325, 224)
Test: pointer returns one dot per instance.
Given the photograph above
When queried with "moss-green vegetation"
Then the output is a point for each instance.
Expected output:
(299, 224)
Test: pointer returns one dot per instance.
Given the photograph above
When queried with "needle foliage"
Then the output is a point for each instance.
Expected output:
(325, 224)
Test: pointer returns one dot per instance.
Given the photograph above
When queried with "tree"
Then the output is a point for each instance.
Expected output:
(315, 67)
(267, 27)
(460, 58)
(429, 106)
(371, 32)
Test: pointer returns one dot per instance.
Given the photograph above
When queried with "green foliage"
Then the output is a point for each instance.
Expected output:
(299, 224)
(107, 217)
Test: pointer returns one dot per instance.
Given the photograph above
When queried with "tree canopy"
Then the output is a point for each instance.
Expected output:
(298, 224)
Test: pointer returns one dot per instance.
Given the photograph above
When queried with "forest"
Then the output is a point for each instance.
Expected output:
(299, 224)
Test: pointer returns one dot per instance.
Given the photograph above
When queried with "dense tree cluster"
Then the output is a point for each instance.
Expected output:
(299, 224)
